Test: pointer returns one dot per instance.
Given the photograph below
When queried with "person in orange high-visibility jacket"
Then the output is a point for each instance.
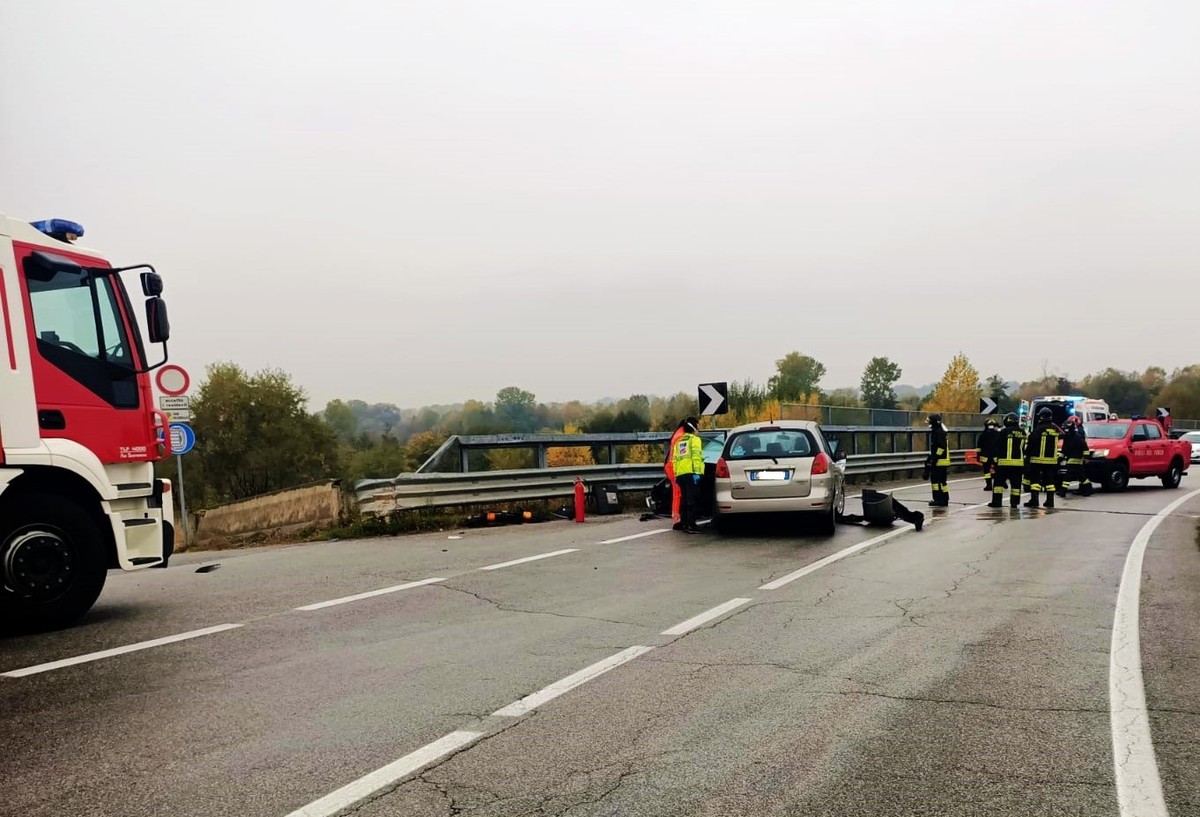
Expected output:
(688, 458)
(669, 468)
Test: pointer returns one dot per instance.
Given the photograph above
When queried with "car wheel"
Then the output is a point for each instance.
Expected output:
(1174, 475)
(1117, 478)
(828, 519)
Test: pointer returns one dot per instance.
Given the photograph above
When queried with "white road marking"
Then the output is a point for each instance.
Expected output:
(96, 656)
(921, 485)
(1139, 788)
(705, 617)
(386, 776)
(533, 701)
(634, 536)
(530, 559)
(358, 597)
(830, 559)
(850, 551)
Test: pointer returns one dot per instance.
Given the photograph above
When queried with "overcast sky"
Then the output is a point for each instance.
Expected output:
(419, 202)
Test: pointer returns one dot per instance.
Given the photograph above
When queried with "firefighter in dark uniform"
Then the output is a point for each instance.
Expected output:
(938, 462)
(988, 447)
(1041, 458)
(1075, 453)
(1010, 461)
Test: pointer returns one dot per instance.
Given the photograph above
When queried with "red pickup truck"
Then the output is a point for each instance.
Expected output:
(1134, 449)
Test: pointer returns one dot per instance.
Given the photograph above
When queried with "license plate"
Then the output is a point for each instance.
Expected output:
(779, 476)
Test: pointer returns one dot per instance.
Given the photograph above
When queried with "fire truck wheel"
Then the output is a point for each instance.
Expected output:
(1174, 475)
(52, 565)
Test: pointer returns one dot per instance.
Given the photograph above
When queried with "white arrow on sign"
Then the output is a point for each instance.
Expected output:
(986, 405)
(715, 399)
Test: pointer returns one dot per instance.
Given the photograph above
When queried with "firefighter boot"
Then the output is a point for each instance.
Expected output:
(1033, 500)
(997, 499)
(1014, 501)
(1049, 498)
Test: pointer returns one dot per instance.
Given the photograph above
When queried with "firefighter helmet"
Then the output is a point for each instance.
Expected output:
(1010, 420)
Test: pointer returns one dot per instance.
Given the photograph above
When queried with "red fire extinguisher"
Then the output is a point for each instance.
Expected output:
(579, 500)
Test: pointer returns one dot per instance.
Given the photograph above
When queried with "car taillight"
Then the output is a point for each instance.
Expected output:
(820, 464)
(722, 469)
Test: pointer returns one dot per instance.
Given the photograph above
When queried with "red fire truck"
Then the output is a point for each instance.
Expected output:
(79, 430)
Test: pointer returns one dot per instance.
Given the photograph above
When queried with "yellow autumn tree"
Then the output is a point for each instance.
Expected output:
(959, 389)
(644, 454)
(510, 459)
(566, 456)
(805, 408)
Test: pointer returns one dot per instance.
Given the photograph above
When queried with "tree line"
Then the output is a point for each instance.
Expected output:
(256, 433)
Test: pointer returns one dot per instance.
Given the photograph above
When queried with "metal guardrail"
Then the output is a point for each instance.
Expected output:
(467, 453)
(409, 491)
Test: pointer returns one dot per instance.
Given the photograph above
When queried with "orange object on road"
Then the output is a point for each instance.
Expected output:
(972, 457)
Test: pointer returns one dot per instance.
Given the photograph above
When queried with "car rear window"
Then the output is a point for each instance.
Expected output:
(760, 444)
(1105, 431)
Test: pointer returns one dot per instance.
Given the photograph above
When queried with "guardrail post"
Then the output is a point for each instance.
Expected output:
(612, 454)
(464, 458)
(542, 462)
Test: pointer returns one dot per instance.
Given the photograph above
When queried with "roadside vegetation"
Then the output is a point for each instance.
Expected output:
(258, 434)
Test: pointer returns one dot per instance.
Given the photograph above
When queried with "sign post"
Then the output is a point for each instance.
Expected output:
(183, 439)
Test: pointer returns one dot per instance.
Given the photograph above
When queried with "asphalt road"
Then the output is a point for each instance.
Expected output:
(962, 670)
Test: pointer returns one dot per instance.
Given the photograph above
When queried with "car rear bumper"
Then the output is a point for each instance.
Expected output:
(819, 499)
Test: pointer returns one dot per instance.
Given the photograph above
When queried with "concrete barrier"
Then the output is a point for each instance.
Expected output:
(314, 505)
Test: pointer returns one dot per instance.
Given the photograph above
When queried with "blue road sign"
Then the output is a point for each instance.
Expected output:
(183, 439)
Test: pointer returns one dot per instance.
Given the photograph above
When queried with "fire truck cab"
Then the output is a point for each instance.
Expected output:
(79, 430)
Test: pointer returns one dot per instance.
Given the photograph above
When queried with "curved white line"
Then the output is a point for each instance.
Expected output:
(1139, 787)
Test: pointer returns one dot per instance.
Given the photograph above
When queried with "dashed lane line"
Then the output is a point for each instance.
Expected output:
(541, 697)
(96, 656)
(631, 537)
(705, 617)
(850, 551)
(539, 556)
(381, 778)
(321, 605)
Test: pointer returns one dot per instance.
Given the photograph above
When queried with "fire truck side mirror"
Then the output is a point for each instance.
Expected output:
(158, 326)
(152, 284)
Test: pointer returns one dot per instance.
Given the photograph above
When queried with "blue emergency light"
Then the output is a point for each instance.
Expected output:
(59, 228)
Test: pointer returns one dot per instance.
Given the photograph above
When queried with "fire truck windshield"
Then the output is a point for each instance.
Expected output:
(78, 312)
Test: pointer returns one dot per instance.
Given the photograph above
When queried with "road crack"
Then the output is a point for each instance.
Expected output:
(906, 610)
(507, 609)
(960, 702)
